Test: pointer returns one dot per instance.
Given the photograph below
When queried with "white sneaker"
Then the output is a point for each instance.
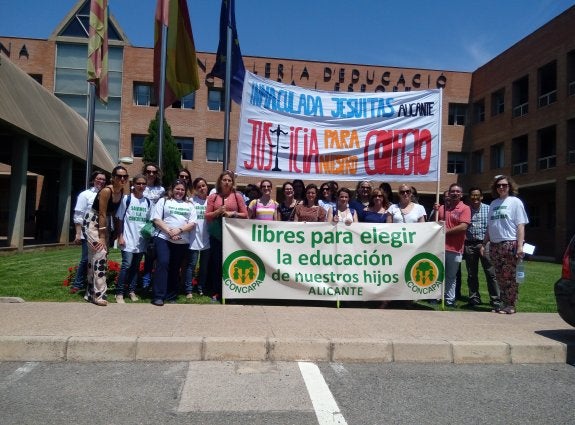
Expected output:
(189, 296)
(134, 297)
(120, 299)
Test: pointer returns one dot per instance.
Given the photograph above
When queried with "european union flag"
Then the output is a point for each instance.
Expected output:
(238, 71)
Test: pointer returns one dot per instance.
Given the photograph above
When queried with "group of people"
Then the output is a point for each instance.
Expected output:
(188, 229)
(493, 235)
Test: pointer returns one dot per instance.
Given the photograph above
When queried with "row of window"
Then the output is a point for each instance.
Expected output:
(546, 153)
(144, 95)
(214, 148)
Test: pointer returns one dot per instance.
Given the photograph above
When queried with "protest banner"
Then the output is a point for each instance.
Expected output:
(326, 261)
(291, 132)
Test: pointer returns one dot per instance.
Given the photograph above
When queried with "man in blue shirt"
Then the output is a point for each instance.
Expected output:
(473, 240)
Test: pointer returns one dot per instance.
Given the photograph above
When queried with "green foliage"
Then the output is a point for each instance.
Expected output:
(171, 156)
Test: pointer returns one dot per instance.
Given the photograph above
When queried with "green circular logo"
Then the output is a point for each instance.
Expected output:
(243, 268)
(424, 270)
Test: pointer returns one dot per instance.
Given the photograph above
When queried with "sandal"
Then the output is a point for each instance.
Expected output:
(496, 310)
(507, 310)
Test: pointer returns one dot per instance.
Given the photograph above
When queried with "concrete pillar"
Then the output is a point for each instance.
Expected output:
(17, 203)
(64, 200)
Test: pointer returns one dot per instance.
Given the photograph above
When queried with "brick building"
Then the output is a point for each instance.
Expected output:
(472, 136)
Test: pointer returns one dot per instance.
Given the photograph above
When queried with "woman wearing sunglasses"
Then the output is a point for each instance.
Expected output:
(406, 211)
(95, 228)
(506, 234)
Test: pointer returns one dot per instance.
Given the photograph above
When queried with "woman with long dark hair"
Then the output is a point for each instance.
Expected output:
(228, 203)
(308, 209)
(96, 225)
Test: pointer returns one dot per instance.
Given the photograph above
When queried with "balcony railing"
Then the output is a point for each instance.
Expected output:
(547, 162)
(520, 110)
(548, 98)
(520, 168)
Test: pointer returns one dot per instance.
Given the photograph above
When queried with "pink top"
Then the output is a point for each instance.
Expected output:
(461, 213)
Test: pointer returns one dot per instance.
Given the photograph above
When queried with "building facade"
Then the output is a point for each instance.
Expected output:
(476, 143)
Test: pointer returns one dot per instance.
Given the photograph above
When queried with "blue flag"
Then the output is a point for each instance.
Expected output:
(238, 71)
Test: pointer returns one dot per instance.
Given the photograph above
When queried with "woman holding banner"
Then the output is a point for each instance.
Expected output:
(308, 209)
(342, 212)
(225, 202)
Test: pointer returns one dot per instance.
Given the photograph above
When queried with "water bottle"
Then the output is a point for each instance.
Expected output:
(520, 272)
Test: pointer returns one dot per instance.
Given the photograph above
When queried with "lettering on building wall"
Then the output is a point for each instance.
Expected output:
(23, 52)
(348, 79)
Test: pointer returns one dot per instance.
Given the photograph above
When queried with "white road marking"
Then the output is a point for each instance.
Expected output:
(20, 372)
(325, 406)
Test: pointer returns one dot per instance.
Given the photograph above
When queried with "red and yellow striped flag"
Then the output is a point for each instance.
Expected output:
(182, 75)
(98, 48)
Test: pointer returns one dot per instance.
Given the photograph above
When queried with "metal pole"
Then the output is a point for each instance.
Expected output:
(90, 136)
(162, 93)
(228, 85)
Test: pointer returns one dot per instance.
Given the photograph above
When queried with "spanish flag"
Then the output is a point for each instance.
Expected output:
(98, 48)
(182, 76)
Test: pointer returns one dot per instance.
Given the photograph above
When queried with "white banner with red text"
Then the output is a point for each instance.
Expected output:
(325, 261)
(291, 132)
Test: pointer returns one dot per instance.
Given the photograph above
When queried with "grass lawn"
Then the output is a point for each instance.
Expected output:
(39, 275)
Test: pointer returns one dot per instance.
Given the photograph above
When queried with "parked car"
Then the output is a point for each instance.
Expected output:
(565, 287)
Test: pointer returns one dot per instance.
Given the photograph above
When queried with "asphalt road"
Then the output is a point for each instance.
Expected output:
(210, 393)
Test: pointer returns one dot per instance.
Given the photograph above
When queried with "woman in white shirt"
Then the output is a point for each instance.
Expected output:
(133, 213)
(342, 212)
(199, 240)
(406, 211)
(174, 217)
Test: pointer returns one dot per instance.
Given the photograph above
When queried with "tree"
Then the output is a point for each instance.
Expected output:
(171, 156)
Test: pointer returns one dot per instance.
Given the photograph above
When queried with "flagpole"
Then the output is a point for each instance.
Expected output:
(90, 136)
(162, 92)
(228, 87)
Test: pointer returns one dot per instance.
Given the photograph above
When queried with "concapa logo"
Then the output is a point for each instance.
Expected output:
(424, 273)
(243, 271)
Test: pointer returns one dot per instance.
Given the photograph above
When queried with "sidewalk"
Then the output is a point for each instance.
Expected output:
(84, 332)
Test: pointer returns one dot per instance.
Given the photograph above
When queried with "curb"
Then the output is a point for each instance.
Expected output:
(109, 349)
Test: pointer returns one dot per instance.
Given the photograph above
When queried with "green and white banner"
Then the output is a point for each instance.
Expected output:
(325, 261)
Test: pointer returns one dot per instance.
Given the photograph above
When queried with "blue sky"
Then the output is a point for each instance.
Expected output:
(434, 34)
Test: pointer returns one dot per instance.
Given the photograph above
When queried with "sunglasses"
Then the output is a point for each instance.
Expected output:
(405, 192)
(151, 172)
(501, 185)
(121, 176)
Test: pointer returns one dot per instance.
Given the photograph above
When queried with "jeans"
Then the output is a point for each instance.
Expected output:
(472, 259)
(128, 272)
(169, 257)
(204, 257)
(82, 271)
(452, 263)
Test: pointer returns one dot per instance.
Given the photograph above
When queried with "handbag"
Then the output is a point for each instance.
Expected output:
(148, 230)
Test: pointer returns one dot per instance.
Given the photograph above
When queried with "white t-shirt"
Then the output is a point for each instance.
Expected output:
(200, 238)
(175, 214)
(504, 217)
(153, 193)
(412, 216)
(135, 218)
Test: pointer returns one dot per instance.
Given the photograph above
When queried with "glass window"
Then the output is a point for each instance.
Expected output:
(479, 111)
(547, 139)
(456, 162)
(477, 162)
(186, 147)
(457, 113)
(186, 102)
(497, 156)
(215, 150)
(498, 102)
(144, 94)
(520, 93)
(215, 99)
(138, 145)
